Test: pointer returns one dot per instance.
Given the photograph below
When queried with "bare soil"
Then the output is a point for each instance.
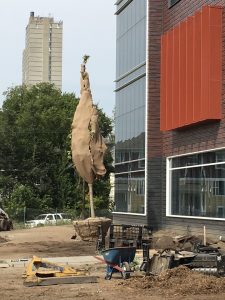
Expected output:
(49, 241)
(55, 241)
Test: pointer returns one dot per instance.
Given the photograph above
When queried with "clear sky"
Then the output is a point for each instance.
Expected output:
(88, 28)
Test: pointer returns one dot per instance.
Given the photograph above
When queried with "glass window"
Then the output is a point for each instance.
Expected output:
(197, 185)
(57, 217)
(41, 217)
(129, 193)
(198, 159)
(130, 109)
(172, 2)
(131, 37)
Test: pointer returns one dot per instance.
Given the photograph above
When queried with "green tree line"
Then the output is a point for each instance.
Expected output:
(36, 170)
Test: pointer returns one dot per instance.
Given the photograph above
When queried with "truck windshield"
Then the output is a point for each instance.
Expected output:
(41, 217)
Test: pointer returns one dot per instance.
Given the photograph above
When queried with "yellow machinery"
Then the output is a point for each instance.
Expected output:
(43, 272)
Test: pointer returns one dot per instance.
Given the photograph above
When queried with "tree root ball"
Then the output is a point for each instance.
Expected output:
(87, 230)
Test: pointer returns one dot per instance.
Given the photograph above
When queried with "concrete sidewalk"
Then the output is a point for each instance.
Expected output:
(71, 260)
(67, 260)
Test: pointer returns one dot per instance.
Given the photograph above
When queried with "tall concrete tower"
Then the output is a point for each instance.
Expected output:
(42, 56)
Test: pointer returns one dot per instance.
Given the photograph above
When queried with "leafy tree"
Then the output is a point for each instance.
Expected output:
(36, 170)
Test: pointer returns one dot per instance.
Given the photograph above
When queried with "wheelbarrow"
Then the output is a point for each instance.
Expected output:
(118, 259)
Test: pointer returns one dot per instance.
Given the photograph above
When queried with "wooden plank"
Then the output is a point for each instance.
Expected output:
(61, 280)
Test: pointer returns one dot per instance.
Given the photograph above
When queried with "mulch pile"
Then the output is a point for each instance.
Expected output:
(179, 281)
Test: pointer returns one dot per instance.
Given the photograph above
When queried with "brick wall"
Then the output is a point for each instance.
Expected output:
(194, 138)
(163, 144)
(153, 134)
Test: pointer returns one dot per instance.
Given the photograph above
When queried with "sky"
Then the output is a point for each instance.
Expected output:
(88, 28)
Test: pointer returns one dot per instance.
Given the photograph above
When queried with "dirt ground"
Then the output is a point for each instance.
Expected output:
(55, 241)
(49, 241)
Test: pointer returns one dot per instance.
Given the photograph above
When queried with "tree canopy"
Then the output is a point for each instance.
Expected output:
(35, 162)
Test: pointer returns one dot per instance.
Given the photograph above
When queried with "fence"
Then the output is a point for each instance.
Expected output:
(23, 214)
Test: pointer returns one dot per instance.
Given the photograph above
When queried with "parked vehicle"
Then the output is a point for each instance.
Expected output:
(48, 219)
(5, 222)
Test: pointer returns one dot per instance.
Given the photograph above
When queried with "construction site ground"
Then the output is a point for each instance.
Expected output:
(55, 242)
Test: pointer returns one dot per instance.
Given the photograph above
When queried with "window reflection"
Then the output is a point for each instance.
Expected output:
(199, 158)
(131, 149)
(130, 193)
(130, 108)
(131, 32)
(198, 190)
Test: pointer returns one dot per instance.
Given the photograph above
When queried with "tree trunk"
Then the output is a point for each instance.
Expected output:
(91, 200)
(82, 214)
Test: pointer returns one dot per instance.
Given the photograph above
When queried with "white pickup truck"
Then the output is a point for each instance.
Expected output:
(48, 219)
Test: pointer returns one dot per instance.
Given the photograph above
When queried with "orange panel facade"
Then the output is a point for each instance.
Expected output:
(191, 70)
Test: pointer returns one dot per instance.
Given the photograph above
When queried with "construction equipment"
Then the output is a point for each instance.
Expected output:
(156, 264)
(43, 272)
(5, 222)
(208, 260)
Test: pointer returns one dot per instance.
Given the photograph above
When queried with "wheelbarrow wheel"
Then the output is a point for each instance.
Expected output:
(108, 276)
(126, 272)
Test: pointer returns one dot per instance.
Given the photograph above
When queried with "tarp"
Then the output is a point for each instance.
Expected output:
(87, 144)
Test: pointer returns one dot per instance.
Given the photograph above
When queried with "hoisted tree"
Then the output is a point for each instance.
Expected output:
(87, 144)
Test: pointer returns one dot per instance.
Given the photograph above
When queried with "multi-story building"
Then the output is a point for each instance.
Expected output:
(42, 56)
(170, 114)
(130, 107)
